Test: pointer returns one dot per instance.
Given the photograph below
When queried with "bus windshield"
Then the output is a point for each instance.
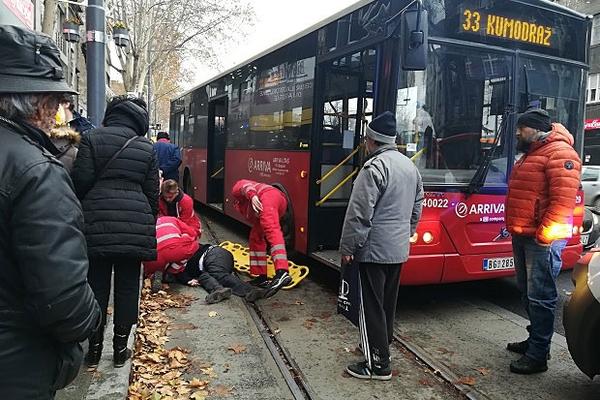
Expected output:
(449, 115)
(555, 87)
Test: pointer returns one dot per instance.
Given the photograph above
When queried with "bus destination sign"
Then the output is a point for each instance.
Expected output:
(507, 28)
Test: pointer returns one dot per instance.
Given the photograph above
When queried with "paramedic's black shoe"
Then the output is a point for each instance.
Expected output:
(520, 347)
(281, 279)
(255, 294)
(156, 282)
(260, 281)
(362, 371)
(527, 366)
(218, 295)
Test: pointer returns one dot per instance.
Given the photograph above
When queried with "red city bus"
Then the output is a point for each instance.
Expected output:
(295, 114)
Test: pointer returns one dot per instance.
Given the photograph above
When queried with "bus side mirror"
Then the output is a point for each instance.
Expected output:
(414, 40)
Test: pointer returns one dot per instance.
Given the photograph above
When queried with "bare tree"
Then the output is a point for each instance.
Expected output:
(49, 17)
(163, 29)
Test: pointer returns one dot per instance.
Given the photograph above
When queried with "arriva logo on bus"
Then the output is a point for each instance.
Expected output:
(259, 166)
(462, 209)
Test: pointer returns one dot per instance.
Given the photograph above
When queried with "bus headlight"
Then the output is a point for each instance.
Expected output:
(427, 237)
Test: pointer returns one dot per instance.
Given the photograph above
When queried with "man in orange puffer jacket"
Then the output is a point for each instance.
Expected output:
(539, 215)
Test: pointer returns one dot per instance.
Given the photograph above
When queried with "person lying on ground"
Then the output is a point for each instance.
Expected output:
(212, 268)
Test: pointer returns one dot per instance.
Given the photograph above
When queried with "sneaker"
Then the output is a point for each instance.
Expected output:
(281, 279)
(260, 281)
(218, 295)
(255, 294)
(362, 371)
(156, 283)
(520, 348)
(527, 366)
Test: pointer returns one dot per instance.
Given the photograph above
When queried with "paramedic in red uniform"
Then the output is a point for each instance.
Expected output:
(176, 243)
(263, 206)
(174, 203)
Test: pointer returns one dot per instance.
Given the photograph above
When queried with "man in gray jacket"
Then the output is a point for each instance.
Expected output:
(382, 215)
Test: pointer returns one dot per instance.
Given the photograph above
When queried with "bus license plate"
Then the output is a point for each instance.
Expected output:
(584, 239)
(493, 264)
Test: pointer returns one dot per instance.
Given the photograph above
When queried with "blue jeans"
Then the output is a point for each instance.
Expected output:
(537, 268)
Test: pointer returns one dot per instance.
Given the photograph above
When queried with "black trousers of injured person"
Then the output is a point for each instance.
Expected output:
(217, 271)
(379, 294)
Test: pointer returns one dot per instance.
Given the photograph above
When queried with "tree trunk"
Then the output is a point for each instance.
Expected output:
(49, 17)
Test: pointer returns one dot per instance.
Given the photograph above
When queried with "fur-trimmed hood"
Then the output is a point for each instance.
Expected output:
(65, 133)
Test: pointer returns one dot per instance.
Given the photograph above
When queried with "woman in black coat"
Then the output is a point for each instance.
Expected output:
(119, 197)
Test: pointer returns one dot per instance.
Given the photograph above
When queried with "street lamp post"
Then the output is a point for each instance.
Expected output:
(96, 62)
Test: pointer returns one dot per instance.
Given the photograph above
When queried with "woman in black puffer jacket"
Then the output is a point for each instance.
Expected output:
(120, 204)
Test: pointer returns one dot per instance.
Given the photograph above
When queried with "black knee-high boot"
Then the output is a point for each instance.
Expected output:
(92, 358)
(120, 351)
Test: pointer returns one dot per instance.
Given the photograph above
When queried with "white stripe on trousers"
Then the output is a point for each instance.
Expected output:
(362, 326)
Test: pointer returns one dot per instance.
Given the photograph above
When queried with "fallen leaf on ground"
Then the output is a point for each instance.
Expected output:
(209, 371)
(197, 383)
(276, 331)
(237, 348)
(347, 350)
(467, 380)
(199, 395)
(212, 314)
(483, 371)
(299, 303)
(221, 391)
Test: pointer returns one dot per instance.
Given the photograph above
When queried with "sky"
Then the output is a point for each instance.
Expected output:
(276, 20)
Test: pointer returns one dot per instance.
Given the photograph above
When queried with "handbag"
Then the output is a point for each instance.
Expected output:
(348, 301)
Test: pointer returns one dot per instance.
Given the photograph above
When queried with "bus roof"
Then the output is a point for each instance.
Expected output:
(348, 10)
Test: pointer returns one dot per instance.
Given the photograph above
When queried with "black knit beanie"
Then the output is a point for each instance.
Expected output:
(536, 119)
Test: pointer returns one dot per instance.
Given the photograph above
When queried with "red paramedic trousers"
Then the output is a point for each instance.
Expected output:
(266, 229)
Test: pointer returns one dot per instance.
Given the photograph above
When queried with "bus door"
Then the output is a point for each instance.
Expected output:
(217, 126)
(345, 106)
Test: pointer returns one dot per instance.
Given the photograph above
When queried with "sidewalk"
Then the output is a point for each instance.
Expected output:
(106, 382)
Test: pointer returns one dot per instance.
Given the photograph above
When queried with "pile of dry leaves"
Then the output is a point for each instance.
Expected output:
(156, 372)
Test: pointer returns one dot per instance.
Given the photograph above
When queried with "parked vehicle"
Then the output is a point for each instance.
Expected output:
(590, 180)
(581, 317)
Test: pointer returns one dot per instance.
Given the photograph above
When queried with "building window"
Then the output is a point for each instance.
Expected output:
(596, 30)
(593, 90)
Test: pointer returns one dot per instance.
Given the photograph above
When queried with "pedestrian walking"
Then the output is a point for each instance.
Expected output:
(539, 215)
(382, 215)
(46, 304)
(176, 243)
(174, 203)
(169, 156)
(116, 178)
(212, 268)
(263, 206)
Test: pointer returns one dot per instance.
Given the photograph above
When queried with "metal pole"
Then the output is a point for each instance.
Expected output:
(96, 63)
(149, 87)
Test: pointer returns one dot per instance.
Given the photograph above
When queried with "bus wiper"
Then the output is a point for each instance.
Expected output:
(479, 178)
